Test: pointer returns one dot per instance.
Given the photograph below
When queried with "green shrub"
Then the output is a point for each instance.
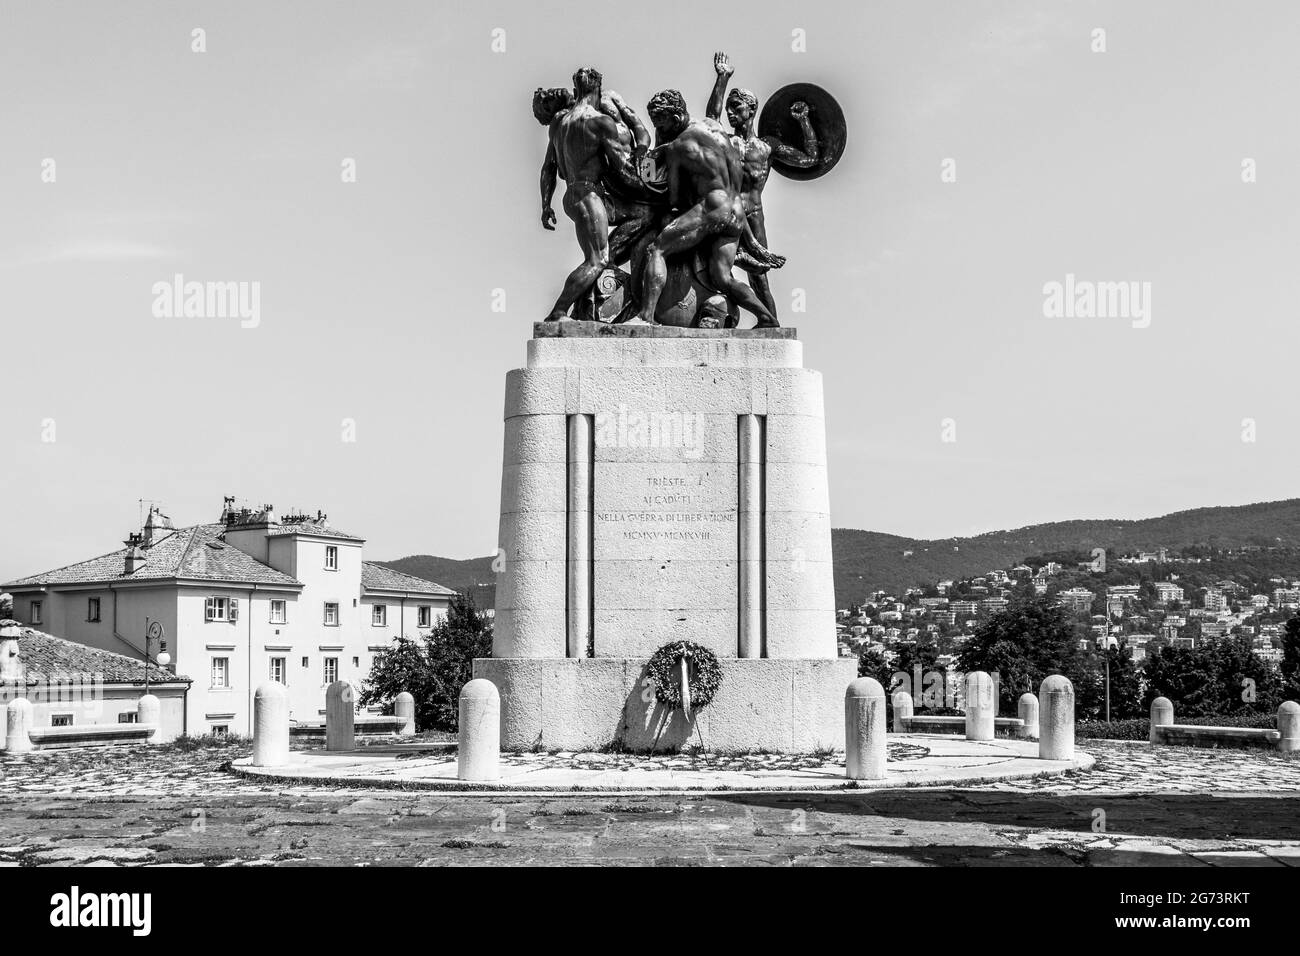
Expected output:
(1138, 728)
(186, 743)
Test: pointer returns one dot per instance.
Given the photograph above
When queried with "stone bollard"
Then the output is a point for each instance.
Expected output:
(902, 710)
(1027, 711)
(1162, 714)
(404, 710)
(148, 710)
(339, 717)
(981, 707)
(479, 752)
(864, 730)
(1288, 725)
(1056, 719)
(271, 725)
(18, 723)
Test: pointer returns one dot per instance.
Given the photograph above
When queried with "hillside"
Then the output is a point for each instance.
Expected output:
(868, 560)
(470, 574)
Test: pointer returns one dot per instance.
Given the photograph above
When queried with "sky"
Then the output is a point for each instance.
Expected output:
(954, 404)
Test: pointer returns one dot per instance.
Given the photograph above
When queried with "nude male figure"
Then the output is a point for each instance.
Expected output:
(597, 156)
(757, 154)
(703, 169)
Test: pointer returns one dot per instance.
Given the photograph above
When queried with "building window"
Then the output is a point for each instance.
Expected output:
(331, 558)
(216, 609)
(220, 730)
(92, 611)
(306, 662)
(35, 615)
(277, 670)
(220, 673)
(60, 720)
(331, 615)
(356, 662)
(278, 612)
(129, 717)
(379, 615)
(425, 616)
(331, 669)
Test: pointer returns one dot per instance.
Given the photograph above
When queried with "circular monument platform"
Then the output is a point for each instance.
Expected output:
(915, 760)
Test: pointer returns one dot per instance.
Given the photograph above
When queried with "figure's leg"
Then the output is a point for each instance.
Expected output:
(592, 228)
(721, 258)
(628, 231)
(637, 266)
(681, 234)
(759, 281)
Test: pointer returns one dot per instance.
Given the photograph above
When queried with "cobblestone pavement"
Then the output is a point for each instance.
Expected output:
(1138, 806)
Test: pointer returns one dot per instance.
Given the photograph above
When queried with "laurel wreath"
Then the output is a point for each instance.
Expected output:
(704, 674)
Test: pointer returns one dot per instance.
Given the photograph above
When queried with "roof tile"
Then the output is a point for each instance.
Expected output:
(377, 577)
(196, 553)
(45, 657)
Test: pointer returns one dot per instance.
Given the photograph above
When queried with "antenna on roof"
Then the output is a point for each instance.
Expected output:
(140, 510)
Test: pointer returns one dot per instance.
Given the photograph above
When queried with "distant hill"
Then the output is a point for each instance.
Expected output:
(869, 560)
(473, 575)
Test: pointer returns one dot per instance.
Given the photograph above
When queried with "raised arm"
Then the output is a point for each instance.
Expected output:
(787, 155)
(717, 99)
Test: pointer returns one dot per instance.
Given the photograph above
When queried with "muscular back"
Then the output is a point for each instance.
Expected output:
(704, 161)
(583, 136)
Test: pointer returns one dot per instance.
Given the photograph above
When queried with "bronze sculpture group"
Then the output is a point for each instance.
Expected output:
(679, 215)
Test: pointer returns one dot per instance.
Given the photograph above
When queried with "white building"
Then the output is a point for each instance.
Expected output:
(1168, 593)
(248, 598)
(1076, 599)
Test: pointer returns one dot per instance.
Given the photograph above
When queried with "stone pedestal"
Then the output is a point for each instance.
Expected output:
(664, 484)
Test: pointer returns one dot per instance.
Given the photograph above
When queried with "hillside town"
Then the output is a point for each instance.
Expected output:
(1141, 601)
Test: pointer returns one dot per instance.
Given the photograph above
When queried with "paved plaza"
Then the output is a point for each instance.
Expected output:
(915, 760)
(1135, 806)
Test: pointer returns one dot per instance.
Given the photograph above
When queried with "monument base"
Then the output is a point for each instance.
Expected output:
(787, 705)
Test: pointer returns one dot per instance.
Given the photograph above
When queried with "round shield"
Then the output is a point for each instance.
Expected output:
(827, 121)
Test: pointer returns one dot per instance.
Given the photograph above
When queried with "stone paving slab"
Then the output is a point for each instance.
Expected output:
(916, 760)
(167, 806)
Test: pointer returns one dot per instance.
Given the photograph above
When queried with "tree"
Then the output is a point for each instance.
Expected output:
(872, 663)
(1291, 658)
(455, 641)
(1125, 685)
(1022, 645)
(1215, 678)
(433, 671)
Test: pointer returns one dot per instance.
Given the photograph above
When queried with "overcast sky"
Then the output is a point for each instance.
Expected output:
(925, 298)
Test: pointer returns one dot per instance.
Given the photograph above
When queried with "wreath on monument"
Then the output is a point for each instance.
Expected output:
(684, 664)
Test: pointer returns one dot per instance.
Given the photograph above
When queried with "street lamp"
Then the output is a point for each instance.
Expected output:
(154, 632)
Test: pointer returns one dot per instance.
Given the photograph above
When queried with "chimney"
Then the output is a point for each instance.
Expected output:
(155, 527)
(11, 665)
(134, 553)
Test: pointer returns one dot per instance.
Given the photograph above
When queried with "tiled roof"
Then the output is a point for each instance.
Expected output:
(377, 577)
(322, 528)
(45, 656)
(196, 553)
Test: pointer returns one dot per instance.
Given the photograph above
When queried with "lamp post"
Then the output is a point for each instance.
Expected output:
(1105, 650)
(154, 632)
